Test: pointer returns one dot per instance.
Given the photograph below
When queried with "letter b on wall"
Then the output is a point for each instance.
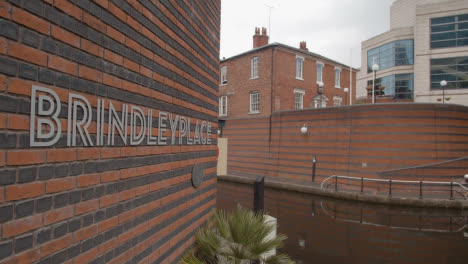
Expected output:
(45, 127)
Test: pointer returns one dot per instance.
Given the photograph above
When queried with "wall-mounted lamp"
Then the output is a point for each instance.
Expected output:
(219, 132)
(466, 178)
(346, 90)
(304, 129)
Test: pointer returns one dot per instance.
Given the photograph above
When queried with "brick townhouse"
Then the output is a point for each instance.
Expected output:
(276, 77)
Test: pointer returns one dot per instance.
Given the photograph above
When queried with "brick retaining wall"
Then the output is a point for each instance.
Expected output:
(116, 202)
(356, 141)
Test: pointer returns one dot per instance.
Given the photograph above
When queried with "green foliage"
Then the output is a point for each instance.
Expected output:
(238, 238)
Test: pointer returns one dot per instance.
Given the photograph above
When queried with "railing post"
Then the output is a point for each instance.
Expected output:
(451, 190)
(259, 187)
(390, 188)
(362, 185)
(420, 190)
(313, 168)
(336, 183)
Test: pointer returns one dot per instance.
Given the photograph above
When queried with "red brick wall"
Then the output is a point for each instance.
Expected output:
(281, 78)
(117, 203)
(285, 80)
(455, 169)
(355, 140)
(240, 85)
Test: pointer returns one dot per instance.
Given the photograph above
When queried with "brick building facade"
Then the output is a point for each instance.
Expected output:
(106, 113)
(275, 77)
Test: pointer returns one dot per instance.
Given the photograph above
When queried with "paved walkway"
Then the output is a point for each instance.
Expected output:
(368, 196)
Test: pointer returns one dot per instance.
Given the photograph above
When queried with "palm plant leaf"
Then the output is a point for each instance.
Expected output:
(237, 237)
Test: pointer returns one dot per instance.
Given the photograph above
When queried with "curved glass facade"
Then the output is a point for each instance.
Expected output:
(396, 53)
(400, 86)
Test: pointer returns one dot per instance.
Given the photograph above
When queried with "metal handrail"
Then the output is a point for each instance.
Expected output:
(362, 179)
(461, 185)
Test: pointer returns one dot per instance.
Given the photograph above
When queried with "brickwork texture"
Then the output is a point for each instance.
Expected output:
(277, 81)
(106, 204)
(357, 141)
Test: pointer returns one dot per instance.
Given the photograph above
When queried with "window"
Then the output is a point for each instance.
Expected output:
(223, 105)
(299, 67)
(320, 101)
(452, 70)
(337, 77)
(337, 100)
(224, 75)
(396, 53)
(400, 86)
(449, 31)
(254, 68)
(319, 72)
(254, 102)
(298, 99)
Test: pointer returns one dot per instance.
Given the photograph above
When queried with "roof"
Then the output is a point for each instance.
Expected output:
(276, 44)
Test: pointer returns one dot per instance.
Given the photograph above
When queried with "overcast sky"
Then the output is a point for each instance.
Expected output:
(331, 28)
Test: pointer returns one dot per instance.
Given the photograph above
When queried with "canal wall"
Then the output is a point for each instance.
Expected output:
(108, 120)
(358, 141)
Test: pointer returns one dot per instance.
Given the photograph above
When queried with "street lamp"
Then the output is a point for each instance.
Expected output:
(375, 68)
(346, 90)
(320, 91)
(443, 83)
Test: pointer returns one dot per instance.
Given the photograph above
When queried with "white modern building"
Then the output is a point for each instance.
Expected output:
(426, 44)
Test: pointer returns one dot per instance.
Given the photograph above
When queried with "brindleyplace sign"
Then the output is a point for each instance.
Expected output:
(133, 125)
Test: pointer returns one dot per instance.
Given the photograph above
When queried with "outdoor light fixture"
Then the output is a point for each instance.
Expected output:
(304, 129)
(375, 68)
(443, 83)
(219, 132)
(466, 178)
(346, 90)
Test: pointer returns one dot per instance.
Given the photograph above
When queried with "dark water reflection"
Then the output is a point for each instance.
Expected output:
(323, 230)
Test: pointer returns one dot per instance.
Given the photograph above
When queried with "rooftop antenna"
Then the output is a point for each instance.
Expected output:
(269, 19)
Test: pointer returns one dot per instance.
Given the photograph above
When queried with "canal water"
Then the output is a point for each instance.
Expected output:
(324, 230)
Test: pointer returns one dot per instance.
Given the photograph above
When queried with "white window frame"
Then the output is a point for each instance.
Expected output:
(299, 68)
(337, 81)
(337, 100)
(298, 105)
(317, 102)
(223, 105)
(254, 68)
(224, 75)
(254, 103)
(320, 77)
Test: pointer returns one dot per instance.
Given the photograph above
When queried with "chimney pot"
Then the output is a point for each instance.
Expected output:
(303, 45)
(260, 40)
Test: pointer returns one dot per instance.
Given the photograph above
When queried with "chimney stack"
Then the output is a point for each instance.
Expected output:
(260, 40)
(303, 45)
